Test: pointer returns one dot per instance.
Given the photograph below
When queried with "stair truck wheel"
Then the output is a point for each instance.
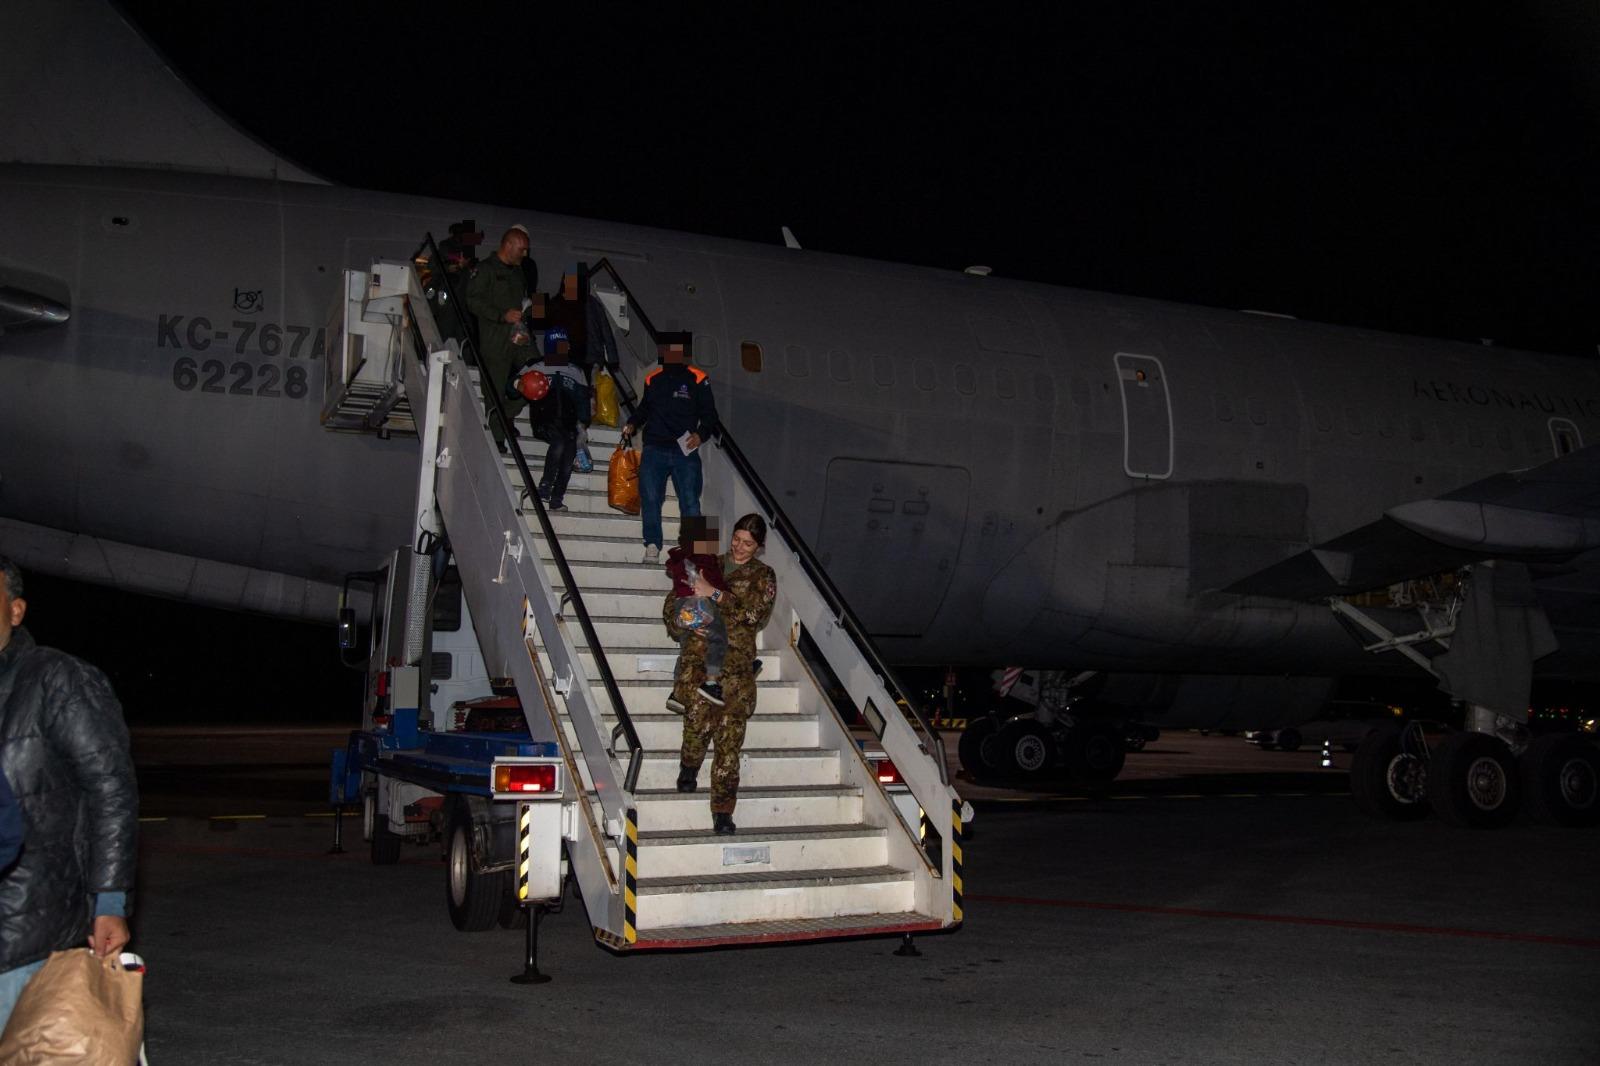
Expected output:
(1288, 739)
(1095, 755)
(1386, 779)
(1473, 781)
(1561, 780)
(474, 899)
(385, 850)
(1027, 750)
(976, 746)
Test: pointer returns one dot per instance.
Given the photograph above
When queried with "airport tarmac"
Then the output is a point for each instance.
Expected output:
(1262, 921)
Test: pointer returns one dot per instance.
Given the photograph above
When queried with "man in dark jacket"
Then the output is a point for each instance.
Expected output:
(64, 749)
(677, 412)
(498, 296)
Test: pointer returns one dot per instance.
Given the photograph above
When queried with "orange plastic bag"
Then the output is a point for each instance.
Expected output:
(78, 1008)
(622, 480)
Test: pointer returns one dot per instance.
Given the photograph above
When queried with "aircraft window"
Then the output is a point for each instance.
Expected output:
(966, 380)
(1323, 417)
(1503, 435)
(924, 375)
(1475, 436)
(1005, 384)
(1224, 407)
(797, 361)
(1565, 436)
(705, 350)
(883, 370)
(1414, 424)
(1257, 409)
(750, 356)
(1385, 426)
(839, 365)
(1044, 386)
(1448, 430)
(1352, 421)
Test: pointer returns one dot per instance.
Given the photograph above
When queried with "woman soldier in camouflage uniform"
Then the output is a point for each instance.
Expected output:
(745, 607)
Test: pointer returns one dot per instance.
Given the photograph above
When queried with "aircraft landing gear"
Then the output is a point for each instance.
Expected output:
(1561, 780)
(1473, 781)
(1389, 774)
(1027, 749)
(979, 749)
(1095, 755)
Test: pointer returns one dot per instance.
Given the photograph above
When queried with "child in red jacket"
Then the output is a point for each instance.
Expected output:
(696, 555)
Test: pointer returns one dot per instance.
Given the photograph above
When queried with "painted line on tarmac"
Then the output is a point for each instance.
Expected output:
(1295, 919)
(1153, 796)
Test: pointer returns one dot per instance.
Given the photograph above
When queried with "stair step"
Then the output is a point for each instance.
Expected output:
(650, 697)
(621, 632)
(778, 895)
(752, 933)
(759, 807)
(758, 768)
(631, 575)
(700, 853)
(607, 524)
(654, 662)
(629, 602)
(594, 501)
(594, 549)
(764, 729)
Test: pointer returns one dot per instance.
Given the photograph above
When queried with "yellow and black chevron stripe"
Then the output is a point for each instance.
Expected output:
(524, 850)
(630, 880)
(955, 863)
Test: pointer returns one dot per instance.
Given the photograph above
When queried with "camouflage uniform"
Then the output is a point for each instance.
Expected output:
(745, 608)
(495, 289)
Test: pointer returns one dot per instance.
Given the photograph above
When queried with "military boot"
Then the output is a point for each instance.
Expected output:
(686, 777)
(722, 823)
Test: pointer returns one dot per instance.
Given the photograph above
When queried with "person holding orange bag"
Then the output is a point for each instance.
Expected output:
(677, 413)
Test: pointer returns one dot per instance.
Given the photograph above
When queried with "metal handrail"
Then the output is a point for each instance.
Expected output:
(608, 680)
(778, 519)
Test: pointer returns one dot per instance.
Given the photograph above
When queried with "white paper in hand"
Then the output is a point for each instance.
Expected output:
(683, 443)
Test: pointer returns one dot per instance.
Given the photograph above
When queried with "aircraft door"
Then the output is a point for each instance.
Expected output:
(891, 533)
(1146, 417)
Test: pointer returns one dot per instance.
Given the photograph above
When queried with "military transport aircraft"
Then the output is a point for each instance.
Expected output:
(1203, 516)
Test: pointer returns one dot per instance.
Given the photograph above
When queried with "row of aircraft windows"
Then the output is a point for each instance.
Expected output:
(798, 362)
(1357, 422)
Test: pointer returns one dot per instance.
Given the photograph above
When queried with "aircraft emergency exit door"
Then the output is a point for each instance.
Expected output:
(1146, 416)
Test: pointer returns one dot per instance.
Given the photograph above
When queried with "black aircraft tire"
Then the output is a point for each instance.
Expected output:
(385, 843)
(1473, 781)
(1027, 750)
(1561, 780)
(1288, 740)
(1385, 781)
(1095, 756)
(474, 899)
(978, 735)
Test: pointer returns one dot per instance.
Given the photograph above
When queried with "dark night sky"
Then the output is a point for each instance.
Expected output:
(1426, 169)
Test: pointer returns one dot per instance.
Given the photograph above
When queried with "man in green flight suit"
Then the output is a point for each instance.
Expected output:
(495, 295)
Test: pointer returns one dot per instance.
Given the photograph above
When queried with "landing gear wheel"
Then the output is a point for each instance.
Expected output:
(1026, 749)
(1389, 774)
(1095, 755)
(977, 749)
(1288, 740)
(474, 898)
(1472, 781)
(375, 827)
(1561, 780)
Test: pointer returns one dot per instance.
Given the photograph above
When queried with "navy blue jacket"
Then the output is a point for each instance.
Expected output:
(677, 399)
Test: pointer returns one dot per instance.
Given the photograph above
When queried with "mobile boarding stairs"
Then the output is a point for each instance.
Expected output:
(832, 841)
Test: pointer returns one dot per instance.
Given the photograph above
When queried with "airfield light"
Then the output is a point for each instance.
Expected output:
(525, 777)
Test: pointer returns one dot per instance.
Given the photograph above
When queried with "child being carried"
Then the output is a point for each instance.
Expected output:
(696, 556)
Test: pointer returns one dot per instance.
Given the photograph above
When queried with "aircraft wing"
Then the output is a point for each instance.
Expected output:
(1548, 513)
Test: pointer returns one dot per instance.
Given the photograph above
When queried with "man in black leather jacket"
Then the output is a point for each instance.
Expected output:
(64, 748)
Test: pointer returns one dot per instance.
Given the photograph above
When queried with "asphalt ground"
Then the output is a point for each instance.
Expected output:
(1260, 921)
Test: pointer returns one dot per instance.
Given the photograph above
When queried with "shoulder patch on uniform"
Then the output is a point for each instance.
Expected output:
(651, 376)
(699, 375)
